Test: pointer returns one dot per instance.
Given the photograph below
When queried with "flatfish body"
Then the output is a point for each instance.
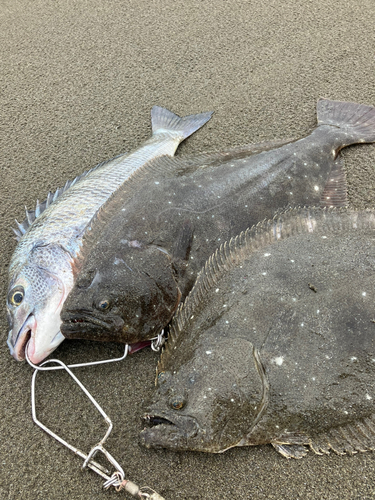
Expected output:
(276, 342)
(144, 251)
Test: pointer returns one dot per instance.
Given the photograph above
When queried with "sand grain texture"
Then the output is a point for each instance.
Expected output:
(78, 80)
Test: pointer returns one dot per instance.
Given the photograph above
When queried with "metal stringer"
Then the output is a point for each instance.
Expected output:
(117, 479)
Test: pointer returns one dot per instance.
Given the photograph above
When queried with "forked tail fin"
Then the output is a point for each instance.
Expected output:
(165, 121)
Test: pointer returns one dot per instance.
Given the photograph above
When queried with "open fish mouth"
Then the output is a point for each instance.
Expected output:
(154, 420)
(162, 432)
(18, 345)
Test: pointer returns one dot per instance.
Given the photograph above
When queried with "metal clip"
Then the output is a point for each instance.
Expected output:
(78, 365)
(117, 479)
(158, 341)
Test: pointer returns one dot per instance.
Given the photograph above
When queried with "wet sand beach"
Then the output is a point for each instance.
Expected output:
(78, 80)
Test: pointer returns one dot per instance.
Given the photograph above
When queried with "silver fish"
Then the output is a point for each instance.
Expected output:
(41, 268)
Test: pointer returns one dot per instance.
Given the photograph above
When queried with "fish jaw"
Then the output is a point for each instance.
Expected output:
(175, 432)
(18, 339)
(35, 320)
(40, 331)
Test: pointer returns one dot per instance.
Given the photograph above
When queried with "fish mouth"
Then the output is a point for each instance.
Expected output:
(174, 432)
(153, 421)
(18, 346)
(77, 323)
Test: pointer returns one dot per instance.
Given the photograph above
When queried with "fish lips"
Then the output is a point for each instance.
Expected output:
(85, 324)
(163, 430)
(19, 337)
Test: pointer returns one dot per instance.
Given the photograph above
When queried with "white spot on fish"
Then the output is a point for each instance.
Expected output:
(227, 322)
(279, 360)
(364, 294)
(267, 254)
(156, 182)
(169, 202)
(353, 358)
(324, 237)
(316, 188)
(302, 324)
(97, 279)
(317, 311)
(264, 274)
(368, 396)
(232, 400)
(313, 378)
(217, 289)
(346, 413)
(294, 299)
(291, 260)
(245, 206)
(208, 352)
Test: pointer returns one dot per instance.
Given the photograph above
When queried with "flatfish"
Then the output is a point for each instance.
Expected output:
(276, 342)
(142, 253)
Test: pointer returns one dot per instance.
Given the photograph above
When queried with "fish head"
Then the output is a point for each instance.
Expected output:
(207, 400)
(128, 299)
(34, 302)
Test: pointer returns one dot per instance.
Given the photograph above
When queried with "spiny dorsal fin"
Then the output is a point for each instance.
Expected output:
(292, 221)
(31, 215)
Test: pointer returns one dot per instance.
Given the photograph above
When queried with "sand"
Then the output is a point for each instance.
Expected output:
(78, 80)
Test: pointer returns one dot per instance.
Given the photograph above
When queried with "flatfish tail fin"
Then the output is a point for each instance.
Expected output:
(348, 439)
(335, 193)
(164, 121)
(357, 120)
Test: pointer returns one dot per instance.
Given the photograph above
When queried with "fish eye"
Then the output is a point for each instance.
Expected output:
(177, 402)
(16, 297)
(103, 305)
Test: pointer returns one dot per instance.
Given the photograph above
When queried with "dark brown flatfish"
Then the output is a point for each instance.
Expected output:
(276, 342)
